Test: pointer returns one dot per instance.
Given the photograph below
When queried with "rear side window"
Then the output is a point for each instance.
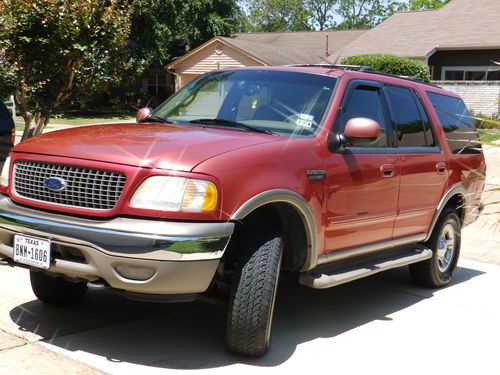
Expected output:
(457, 124)
(412, 129)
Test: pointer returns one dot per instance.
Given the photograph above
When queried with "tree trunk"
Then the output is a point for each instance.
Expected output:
(34, 126)
(27, 126)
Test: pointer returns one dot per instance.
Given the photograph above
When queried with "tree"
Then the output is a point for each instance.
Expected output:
(50, 49)
(426, 4)
(292, 15)
(361, 14)
(278, 15)
(162, 29)
(321, 13)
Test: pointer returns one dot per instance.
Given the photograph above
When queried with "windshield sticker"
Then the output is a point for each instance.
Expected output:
(303, 119)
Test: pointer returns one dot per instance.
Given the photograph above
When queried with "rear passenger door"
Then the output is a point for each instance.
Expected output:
(423, 164)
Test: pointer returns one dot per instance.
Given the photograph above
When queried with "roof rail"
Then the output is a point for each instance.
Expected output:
(365, 69)
(358, 68)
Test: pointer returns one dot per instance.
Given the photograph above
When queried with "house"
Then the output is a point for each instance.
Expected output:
(260, 49)
(460, 42)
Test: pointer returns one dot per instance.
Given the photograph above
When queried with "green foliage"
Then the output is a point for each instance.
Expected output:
(278, 15)
(320, 13)
(362, 14)
(425, 4)
(303, 15)
(391, 64)
(51, 49)
(165, 28)
(486, 122)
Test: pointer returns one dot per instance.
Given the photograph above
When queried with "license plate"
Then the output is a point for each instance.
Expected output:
(32, 251)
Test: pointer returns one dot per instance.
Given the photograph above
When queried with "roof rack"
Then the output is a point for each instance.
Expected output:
(364, 69)
(358, 68)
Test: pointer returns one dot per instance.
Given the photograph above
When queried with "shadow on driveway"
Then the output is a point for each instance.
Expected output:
(191, 336)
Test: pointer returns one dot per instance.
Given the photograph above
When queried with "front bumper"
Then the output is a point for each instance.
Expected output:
(183, 255)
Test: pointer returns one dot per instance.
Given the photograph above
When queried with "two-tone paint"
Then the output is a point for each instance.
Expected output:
(362, 200)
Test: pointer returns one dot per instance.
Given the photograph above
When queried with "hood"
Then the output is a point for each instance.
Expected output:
(164, 146)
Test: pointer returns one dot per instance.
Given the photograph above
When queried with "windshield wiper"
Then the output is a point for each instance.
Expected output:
(236, 124)
(154, 118)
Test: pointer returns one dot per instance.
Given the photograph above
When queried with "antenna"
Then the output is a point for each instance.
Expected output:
(327, 53)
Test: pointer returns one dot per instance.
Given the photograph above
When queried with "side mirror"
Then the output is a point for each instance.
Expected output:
(143, 114)
(362, 131)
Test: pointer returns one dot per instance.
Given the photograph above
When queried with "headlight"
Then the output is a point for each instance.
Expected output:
(4, 177)
(167, 193)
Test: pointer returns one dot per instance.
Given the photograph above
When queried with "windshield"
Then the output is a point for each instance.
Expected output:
(275, 101)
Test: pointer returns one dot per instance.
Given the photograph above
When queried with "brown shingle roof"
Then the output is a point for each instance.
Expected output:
(460, 24)
(292, 47)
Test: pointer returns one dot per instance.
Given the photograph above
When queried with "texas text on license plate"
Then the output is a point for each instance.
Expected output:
(32, 251)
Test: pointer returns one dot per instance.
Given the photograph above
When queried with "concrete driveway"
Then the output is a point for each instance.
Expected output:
(383, 324)
(380, 325)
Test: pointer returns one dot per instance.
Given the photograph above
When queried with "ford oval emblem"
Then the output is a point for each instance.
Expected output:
(55, 183)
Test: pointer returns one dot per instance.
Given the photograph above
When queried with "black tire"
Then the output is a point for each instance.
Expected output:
(56, 290)
(438, 270)
(248, 327)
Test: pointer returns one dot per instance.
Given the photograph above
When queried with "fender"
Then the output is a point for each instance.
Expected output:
(457, 189)
(299, 203)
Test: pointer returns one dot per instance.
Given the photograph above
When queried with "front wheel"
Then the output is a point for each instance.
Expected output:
(248, 328)
(438, 270)
(56, 290)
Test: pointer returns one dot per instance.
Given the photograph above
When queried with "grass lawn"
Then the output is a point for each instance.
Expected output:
(73, 117)
(489, 135)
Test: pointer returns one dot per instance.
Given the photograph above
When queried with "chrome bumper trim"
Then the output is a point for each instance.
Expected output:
(122, 237)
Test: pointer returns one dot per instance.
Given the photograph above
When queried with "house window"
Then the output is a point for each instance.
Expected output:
(158, 85)
(470, 73)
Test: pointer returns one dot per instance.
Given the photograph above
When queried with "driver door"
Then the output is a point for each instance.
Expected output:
(362, 181)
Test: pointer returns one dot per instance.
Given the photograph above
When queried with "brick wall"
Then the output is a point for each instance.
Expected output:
(479, 96)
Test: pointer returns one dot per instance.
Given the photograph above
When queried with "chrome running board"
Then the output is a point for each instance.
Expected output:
(329, 277)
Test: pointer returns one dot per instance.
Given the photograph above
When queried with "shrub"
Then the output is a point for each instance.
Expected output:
(484, 121)
(399, 66)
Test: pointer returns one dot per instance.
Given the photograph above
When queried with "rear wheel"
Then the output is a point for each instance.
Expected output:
(56, 290)
(438, 270)
(248, 327)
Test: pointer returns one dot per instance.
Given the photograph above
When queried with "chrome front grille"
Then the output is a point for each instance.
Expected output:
(85, 187)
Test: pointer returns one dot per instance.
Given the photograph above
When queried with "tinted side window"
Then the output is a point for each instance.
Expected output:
(365, 101)
(456, 122)
(409, 125)
(429, 135)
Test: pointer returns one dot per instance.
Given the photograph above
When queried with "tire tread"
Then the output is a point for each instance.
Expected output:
(252, 299)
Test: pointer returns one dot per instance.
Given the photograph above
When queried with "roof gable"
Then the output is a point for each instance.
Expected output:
(201, 50)
(279, 48)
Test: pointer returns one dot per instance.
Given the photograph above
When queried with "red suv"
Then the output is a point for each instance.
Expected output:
(245, 174)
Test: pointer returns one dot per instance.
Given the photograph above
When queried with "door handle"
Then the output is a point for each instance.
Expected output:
(387, 170)
(441, 167)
